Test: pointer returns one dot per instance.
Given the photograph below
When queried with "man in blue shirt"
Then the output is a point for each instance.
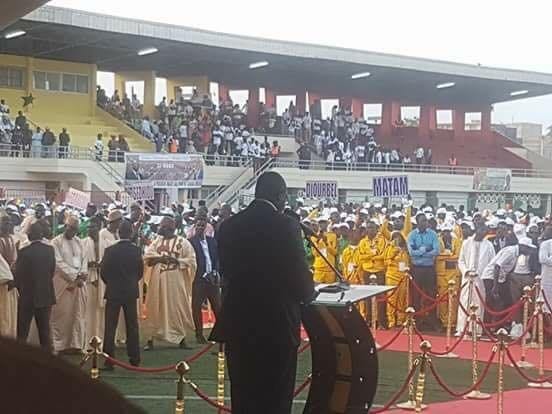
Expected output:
(423, 246)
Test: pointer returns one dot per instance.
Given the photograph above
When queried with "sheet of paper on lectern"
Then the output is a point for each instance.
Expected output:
(353, 295)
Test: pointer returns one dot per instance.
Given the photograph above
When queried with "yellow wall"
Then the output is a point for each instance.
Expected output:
(50, 104)
(148, 77)
(200, 82)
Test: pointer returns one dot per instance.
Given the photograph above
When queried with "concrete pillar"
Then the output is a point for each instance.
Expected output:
(391, 112)
(92, 81)
(486, 121)
(313, 98)
(149, 94)
(458, 121)
(346, 102)
(301, 101)
(253, 108)
(270, 98)
(223, 92)
(428, 120)
(357, 106)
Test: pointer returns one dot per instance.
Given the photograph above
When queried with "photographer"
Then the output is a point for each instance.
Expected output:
(206, 282)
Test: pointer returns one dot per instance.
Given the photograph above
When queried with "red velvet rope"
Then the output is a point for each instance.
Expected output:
(475, 386)
(501, 321)
(303, 348)
(453, 347)
(398, 393)
(530, 323)
(393, 339)
(390, 295)
(523, 374)
(424, 310)
(208, 400)
(154, 370)
(492, 312)
(425, 295)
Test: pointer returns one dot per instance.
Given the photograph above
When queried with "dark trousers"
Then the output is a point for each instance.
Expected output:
(503, 301)
(426, 279)
(112, 310)
(262, 377)
(202, 290)
(25, 315)
(517, 283)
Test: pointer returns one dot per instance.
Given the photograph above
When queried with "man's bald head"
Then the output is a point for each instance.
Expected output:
(272, 187)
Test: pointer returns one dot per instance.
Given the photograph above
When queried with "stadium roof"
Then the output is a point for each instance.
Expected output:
(113, 42)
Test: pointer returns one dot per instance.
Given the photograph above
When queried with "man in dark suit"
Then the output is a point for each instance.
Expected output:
(265, 281)
(205, 285)
(34, 273)
(121, 269)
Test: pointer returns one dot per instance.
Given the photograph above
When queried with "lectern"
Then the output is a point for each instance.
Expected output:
(344, 359)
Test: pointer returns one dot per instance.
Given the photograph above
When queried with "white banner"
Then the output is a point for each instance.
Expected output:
(390, 186)
(76, 198)
(140, 191)
(321, 189)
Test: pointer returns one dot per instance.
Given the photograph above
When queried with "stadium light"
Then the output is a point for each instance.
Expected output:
(360, 75)
(15, 33)
(517, 93)
(147, 51)
(445, 85)
(257, 65)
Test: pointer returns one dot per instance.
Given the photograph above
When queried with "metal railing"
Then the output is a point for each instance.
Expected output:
(90, 154)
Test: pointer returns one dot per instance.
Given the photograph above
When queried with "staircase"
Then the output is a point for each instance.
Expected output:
(235, 193)
(84, 129)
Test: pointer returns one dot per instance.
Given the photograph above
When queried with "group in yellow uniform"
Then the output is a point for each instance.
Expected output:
(382, 251)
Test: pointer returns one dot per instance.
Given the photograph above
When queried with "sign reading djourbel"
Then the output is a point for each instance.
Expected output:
(390, 186)
(165, 170)
(321, 189)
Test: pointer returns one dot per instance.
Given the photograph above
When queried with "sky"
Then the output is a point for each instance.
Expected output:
(501, 33)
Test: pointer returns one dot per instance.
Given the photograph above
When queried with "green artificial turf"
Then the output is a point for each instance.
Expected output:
(155, 391)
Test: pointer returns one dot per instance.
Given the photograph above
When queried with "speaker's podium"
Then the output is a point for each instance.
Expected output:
(344, 359)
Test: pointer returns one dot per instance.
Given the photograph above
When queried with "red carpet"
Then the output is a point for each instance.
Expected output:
(528, 400)
(463, 350)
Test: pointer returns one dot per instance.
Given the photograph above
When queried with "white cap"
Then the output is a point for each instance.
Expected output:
(493, 223)
(344, 225)
(384, 210)
(364, 211)
(441, 211)
(509, 221)
(334, 210)
(323, 218)
(343, 215)
(396, 214)
(429, 215)
(428, 209)
(446, 227)
(500, 212)
(519, 230)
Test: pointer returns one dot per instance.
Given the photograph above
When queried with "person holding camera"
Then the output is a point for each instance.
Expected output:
(207, 280)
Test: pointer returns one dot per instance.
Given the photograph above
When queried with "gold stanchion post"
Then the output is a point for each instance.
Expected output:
(523, 363)
(540, 323)
(502, 344)
(536, 293)
(374, 309)
(410, 324)
(182, 368)
(475, 394)
(96, 344)
(451, 296)
(407, 288)
(425, 346)
(220, 376)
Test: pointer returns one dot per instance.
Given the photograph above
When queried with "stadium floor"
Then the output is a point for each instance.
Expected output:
(155, 392)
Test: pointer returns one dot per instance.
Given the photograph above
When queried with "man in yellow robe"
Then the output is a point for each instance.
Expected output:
(372, 260)
(446, 266)
(397, 262)
(350, 265)
(169, 295)
(398, 222)
(326, 241)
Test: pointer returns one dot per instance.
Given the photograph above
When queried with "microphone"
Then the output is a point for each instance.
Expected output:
(342, 284)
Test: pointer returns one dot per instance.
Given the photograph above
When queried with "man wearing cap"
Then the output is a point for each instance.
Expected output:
(326, 241)
(95, 305)
(372, 259)
(39, 214)
(527, 267)
(169, 295)
(397, 263)
(69, 313)
(351, 266)
(446, 266)
(496, 275)
(476, 253)
(423, 247)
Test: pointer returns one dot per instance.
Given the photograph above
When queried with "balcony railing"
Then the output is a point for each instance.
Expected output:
(90, 154)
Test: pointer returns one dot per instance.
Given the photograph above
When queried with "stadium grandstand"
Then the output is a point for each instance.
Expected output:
(387, 116)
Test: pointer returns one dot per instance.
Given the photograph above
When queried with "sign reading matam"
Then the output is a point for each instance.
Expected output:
(391, 186)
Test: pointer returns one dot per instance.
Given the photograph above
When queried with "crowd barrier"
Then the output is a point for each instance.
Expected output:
(421, 364)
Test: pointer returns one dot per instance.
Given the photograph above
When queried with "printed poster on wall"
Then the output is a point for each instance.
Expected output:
(390, 186)
(165, 170)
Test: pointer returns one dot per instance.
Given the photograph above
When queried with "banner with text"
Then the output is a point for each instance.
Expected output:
(321, 189)
(165, 170)
(77, 199)
(140, 190)
(390, 186)
(492, 179)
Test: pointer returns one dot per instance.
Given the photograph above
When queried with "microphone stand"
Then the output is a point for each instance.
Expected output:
(342, 285)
